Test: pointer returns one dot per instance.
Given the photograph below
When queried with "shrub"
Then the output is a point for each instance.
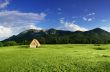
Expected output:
(1, 44)
(10, 43)
(99, 48)
(97, 45)
(105, 56)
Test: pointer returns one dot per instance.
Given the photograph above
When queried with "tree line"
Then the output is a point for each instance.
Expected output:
(52, 36)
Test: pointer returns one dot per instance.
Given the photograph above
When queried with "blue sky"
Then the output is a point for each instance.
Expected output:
(19, 15)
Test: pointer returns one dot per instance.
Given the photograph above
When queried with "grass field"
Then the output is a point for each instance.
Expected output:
(56, 58)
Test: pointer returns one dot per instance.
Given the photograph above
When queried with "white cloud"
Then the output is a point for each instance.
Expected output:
(104, 20)
(89, 17)
(107, 28)
(59, 9)
(13, 22)
(71, 26)
(4, 3)
(32, 26)
(85, 19)
(5, 31)
(90, 14)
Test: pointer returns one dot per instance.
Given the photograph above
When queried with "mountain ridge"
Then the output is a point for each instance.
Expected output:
(54, 36)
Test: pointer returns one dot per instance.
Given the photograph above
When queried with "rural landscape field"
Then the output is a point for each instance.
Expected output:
(56, 58)
(54, 35)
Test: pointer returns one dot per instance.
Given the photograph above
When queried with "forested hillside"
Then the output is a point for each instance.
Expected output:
(53, 36)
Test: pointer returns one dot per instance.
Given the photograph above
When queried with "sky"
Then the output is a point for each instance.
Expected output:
(20, 15)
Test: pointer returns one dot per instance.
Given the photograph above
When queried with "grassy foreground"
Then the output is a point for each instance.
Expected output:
(56, 58)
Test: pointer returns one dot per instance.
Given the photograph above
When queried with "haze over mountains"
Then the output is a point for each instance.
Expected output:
(53, 36)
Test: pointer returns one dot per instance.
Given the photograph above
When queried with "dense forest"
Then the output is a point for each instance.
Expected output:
(53, 36)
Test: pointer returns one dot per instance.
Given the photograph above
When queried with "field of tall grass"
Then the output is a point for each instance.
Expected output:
(56, 58)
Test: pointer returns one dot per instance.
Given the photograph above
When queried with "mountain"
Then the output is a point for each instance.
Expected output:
(53, 36)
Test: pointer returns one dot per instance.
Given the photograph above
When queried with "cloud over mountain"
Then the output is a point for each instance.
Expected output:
(71, 26)
(13, 22)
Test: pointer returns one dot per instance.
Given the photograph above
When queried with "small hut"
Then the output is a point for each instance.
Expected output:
(34, 44)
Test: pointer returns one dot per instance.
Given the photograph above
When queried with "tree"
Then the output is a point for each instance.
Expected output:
(10, 43)
(1, 44)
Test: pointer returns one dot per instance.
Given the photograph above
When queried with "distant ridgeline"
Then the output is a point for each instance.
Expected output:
(53, 36)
